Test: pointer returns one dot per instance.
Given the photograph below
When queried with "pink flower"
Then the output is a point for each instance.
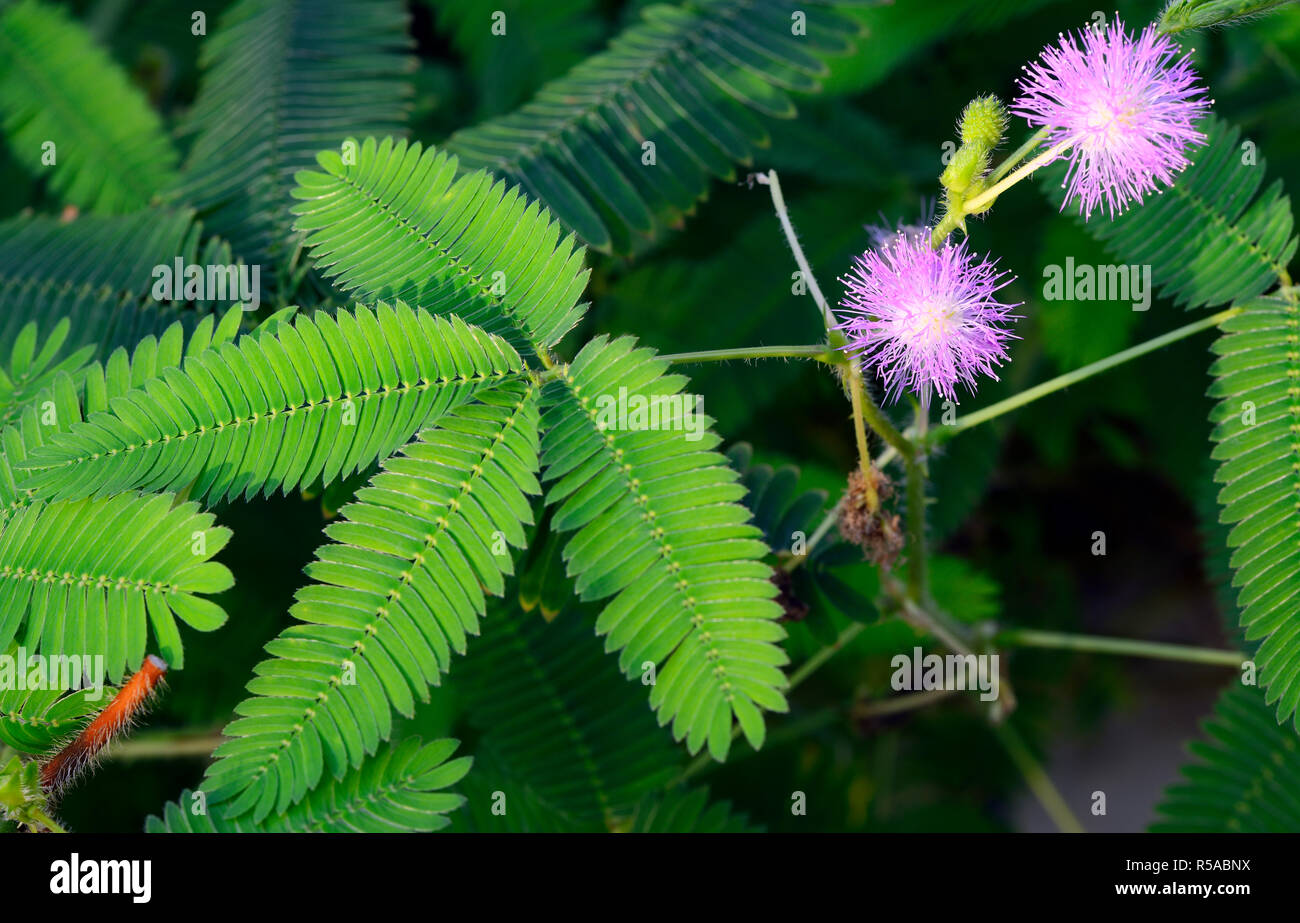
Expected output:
(925, 319)
(1126, 107)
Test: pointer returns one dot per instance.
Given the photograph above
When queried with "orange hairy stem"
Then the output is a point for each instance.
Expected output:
(118, 716)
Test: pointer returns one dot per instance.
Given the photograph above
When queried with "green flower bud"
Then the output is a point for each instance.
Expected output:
(983, 122)
(970, 162)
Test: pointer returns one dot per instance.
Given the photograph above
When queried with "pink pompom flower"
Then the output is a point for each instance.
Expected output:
(925, 320)
(1126, 107)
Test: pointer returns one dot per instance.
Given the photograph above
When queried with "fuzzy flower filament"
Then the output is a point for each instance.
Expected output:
(925, 320)
(1127, 108)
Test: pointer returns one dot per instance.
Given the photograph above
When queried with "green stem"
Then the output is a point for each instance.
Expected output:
(917, 578)
(900, 703)
(817, 660)
(1029, 395)
(1024, 172)
(1019, 154)
(819, 353)
(1055, 640)
(770, 180)
(856, 393)
(877, 420)
(1038, 780)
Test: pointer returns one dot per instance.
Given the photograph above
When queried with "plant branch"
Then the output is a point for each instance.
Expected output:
(989, 195)
(1125, 647)
(818, 353)
(770, 180)
(1018, 155)
(1038, 780)
(1029, 395)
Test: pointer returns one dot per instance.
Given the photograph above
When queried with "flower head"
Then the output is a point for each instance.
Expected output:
(1127, 108)
(925, 319)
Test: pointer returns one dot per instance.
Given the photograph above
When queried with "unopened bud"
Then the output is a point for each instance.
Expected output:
(983, 122)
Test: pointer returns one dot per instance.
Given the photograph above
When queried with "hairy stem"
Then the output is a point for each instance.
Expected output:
(1029, 395)
(818, 353)
(856, 394)
(1039, 782)
(917, 577)
(1024, 172)
(770, 180)
(1126, 647)
(1018, 155)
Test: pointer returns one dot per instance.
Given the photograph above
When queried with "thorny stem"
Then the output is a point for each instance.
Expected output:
(1039, 782)
(1029, 395)
(770, 180)
(1055, 640)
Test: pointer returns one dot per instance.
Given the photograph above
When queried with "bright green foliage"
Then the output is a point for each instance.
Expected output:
(1212, 238)
(656, 525)
(399, 790)
(1246, 774)
(68, 400)
(22, 800)
(687, 80)
(95, 272)
(321, 398)
(689, 812)
(70, 595)
(30, 371)
(56, 85)
(566, 738)
(1256, 420)
(37, 720)
(399, 224)
(399, 591)
(294, 77)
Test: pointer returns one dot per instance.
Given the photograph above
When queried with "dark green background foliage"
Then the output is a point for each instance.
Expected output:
(542, 710)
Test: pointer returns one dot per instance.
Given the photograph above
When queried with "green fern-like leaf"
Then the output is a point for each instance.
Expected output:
(688, 812)
(72, 596)
(37, 720)
(689, 80)
(1256, 376)
(398, 224)
(1245, 777)
(56, 85)
(399, 591)
(564, 736)
(1213, 237)
(658, 527)
(97, 273)
(318, 399)
(295, 77)
(29, 372)
(68, 399)
(400, 790)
